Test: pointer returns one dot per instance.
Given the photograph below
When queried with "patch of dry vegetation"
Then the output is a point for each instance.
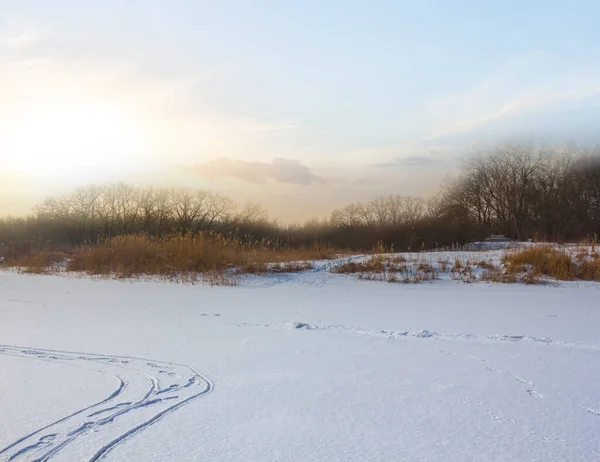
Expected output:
(211, 257)
(44, 262)
(443, 262)
(220, 260)
(536, 264)
(262, 267)
(498, 275)
(540, 260)
(389, 268)
(375, 264)
(533, 264)
(463, 273)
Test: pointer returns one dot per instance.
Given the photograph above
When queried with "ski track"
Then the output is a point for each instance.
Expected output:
(146, 391)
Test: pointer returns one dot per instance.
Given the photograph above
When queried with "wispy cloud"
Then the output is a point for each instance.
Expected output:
(279, 170)
(465, 125)
(410, 161)
(499, 98)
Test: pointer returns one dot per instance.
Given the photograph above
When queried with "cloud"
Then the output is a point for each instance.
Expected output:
(280, 170)
(433, 157)
(410, 161)
(505, 97)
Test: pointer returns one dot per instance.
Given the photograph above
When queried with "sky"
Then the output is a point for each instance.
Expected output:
(301, 105)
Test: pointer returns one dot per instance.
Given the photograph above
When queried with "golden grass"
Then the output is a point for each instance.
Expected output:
(540, 260)
(375, 264)
(261, 267)
(175, 256)
(389, 268)
(211, 257)
(457, 265)
(221, 260)
(497, 275)
(131, 256)
(44, 262)
(532, 263)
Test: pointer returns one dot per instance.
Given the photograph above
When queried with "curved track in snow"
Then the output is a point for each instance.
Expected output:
(144, 392)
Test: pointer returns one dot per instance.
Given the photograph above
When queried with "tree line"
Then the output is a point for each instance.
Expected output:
(523, 193)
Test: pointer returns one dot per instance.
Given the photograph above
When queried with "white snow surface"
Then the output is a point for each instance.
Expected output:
(306, 367)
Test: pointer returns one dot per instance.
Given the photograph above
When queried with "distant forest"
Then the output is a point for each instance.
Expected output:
(523, 193)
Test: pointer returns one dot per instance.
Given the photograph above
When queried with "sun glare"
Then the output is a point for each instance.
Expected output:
(51, 141)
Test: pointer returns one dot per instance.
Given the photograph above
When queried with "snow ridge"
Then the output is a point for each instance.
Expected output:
(426, 334)
(145, 392)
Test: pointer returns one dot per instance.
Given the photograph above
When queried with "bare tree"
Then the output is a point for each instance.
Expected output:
(252, 213)
(217, 208)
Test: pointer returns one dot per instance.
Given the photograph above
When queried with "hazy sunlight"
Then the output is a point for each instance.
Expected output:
(52, 140)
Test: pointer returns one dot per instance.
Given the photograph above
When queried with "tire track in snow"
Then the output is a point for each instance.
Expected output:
(145, 391)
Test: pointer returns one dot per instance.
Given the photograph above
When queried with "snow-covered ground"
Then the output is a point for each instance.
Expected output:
(306, 367)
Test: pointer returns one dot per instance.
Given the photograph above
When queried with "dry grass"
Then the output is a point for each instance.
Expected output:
(589, 268)
(132, 256)
(464, 274)
(389, 268)
(218, 260)
(261, 267)
(212, 258)
(485, 265)
(497, 275)
(458, 265)
(44, 262)
(444, 264)
(375, 264)
(190, 255)
(532, 264)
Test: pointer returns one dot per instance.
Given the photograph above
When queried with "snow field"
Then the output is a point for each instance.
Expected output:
(305, 367)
